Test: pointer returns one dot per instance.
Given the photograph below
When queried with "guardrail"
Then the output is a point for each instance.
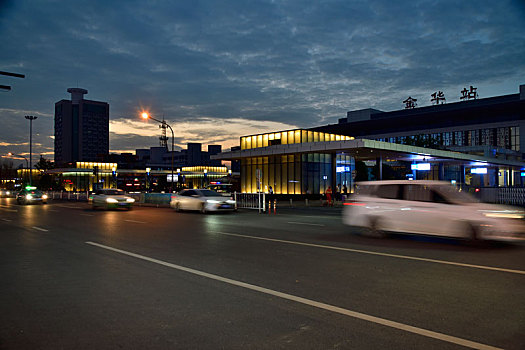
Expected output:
(250, 200)
(75, 196)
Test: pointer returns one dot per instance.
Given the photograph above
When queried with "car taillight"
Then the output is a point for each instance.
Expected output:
(351, 202)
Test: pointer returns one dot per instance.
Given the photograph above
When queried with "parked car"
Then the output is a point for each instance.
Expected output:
(430, 208)
(203, 200)
(31, 195)
(111, 199)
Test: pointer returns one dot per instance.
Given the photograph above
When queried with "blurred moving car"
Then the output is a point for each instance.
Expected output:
(430, 208)
(203, 200)
(30, 195)
(111, 199)
(5, 193)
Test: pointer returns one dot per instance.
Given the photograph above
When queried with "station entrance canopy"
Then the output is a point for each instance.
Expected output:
(308, 161)
(364, 149)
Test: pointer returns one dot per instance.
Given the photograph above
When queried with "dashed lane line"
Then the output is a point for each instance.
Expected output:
(7, 220)
(304, 223)
(499, 269)
(40, 229)
(67, 206)
(136, 222)
(313, 303)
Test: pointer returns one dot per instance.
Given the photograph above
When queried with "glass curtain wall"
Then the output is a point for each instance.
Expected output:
(295, 174)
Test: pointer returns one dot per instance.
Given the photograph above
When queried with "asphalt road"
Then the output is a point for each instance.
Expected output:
(74, 278)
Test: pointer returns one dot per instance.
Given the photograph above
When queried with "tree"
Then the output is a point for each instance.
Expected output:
(44, 164)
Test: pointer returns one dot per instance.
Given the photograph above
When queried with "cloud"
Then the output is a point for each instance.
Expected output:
(131, 135)
(290, 63)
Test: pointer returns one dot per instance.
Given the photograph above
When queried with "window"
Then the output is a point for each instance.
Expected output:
(418, 193)
(458, 138)
(389, 192)
(515, 138)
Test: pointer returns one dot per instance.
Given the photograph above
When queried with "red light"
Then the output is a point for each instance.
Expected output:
(353, 203)
(477, 189)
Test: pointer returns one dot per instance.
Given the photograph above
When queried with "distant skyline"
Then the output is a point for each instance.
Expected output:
(219, 70)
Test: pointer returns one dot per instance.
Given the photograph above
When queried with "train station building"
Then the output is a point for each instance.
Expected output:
(475, 142)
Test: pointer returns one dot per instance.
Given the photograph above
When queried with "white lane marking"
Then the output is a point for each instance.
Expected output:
(137, 222)
(40, 229)
(304, 223)
(520, 272)
(67, 206)
(313, 303)
(8, 220)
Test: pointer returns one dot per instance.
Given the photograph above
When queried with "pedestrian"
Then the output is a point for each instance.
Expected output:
(345, 191)
(337, 194)
(271, 199)
(328, 194)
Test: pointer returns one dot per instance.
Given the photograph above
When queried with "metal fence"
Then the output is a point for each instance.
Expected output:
(503, 195)
(250, 200)
(74, 196)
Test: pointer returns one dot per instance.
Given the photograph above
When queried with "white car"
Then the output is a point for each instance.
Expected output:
(430, 208)
(203, 200)
(112, 199)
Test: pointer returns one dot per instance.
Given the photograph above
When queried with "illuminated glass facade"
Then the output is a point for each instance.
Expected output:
(309, 173)
(288, 137)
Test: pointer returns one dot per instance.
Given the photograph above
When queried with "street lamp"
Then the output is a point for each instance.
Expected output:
(147, 116)
(19, 155)
(30, 118)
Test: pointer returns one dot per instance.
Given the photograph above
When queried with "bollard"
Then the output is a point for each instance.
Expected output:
(274, 206)
(306, 201)
(291, 204)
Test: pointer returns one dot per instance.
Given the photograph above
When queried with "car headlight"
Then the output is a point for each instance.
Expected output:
(7, 193)
(130, 200)
(212, 201)
(44, 196)
(111, 200)
(28, 196)
(230, 201)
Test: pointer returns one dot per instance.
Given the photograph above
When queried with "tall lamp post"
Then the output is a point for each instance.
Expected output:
(30, 118)
(147, 116)
(18, 155)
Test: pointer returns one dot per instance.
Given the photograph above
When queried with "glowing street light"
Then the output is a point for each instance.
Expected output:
(145, 115)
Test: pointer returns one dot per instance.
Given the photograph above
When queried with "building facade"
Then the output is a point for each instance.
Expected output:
(81, 129)
(478, 142)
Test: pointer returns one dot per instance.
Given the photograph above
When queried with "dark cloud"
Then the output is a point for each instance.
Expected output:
(298, 63)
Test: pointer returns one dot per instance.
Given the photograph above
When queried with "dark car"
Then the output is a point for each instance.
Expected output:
(31, 195)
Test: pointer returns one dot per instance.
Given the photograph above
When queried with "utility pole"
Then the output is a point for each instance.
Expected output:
(30, 118)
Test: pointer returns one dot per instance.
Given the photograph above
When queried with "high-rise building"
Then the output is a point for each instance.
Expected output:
(81, 128)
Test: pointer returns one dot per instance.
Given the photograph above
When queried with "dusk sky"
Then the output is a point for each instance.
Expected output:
(217, 70)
